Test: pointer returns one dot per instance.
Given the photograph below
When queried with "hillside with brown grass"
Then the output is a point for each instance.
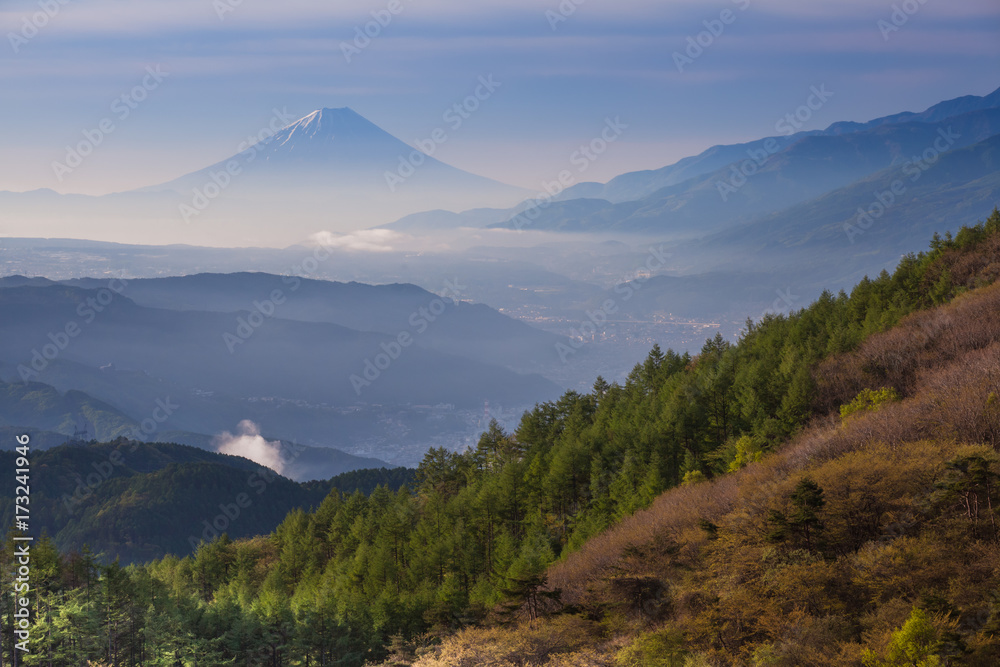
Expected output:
(821, 491)
(868, 539)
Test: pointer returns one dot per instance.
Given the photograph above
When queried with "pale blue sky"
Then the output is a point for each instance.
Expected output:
(557, 85)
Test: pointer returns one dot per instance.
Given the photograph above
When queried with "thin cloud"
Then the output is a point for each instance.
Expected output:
(365, 240)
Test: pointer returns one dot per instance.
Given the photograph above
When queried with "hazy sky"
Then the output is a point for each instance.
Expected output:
(232, 62)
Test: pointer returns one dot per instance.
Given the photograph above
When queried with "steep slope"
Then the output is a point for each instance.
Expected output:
(796, 534)
(870, 538)
(709, 570)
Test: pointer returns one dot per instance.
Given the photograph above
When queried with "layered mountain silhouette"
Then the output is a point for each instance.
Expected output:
(639, 184)
(335, 170)
(765, 182)
(328, 365)
(963, 183)
(757, 216)
(470, 330)
(730, 185)
(245, 355)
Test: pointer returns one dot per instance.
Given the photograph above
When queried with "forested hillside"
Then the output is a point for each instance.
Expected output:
(43, 407)
(836, 470)
(137, 501)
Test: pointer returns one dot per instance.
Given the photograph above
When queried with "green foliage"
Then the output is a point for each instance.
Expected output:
(970, 482)
(747, 450)
(869, 399)
(807, 500)
(693, 477)
(47, 408)
(654, 649)
(366, 480)
(139, 501)
(915, 644)
(473, 530)
(802, 525)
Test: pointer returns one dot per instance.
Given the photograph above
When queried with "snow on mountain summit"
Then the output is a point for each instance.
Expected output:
(332, 165)
(339, 134)
(327, 123)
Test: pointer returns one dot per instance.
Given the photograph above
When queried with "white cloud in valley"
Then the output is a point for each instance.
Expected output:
(249, 443)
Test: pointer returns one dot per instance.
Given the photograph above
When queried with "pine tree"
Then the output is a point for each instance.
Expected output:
(807, 500)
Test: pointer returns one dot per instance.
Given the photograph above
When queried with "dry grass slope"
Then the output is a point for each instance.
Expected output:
(699, 579)
(946, 360)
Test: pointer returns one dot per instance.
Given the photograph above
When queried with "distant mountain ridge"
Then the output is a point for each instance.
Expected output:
(962, 184)
(282, 357)
(687, 196)
(334, 170)
(638, 184)
(471, 330)
(227, 348)
(808, 168)
(38, 405)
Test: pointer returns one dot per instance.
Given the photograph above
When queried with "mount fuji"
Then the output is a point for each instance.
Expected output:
(331, 170)
(319, 154)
